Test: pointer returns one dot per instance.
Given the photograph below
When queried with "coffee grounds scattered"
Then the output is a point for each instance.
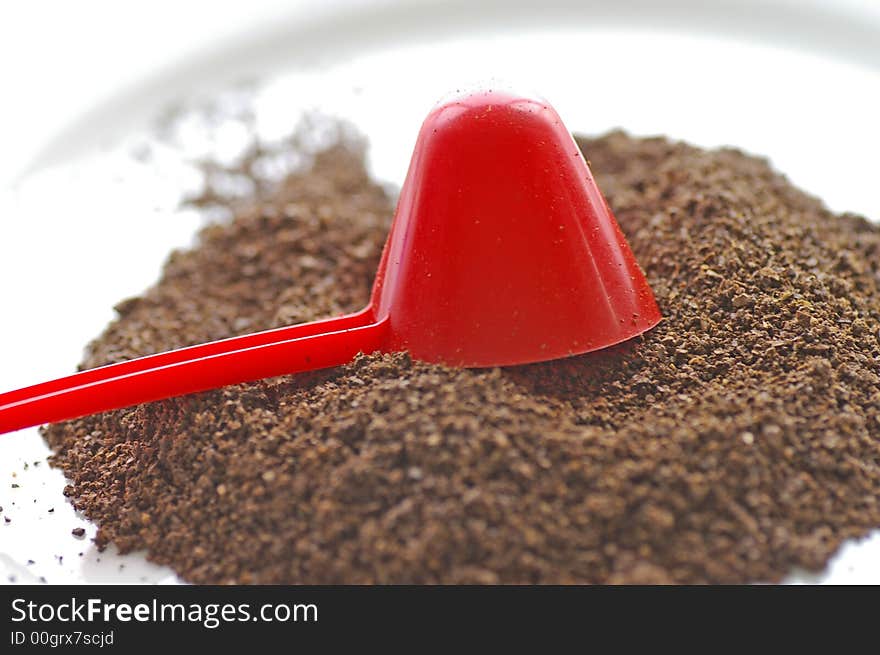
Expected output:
(736, 441)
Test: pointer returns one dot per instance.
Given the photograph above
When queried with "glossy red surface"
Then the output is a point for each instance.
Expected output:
(502, 251)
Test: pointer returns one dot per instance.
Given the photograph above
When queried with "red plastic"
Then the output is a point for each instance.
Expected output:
(502, 251)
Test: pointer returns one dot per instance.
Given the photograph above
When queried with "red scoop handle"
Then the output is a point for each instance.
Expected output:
(294, 349)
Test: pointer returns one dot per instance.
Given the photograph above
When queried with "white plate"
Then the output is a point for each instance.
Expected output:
(800, 85)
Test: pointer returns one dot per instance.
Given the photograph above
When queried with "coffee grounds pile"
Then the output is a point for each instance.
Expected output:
(738, 440)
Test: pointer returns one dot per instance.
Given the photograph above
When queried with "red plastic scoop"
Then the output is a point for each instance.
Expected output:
(502, 251)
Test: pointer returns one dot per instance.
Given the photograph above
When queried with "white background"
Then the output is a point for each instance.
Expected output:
(60, 59)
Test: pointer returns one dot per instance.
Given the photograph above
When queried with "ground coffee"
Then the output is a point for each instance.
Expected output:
(737, 440)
